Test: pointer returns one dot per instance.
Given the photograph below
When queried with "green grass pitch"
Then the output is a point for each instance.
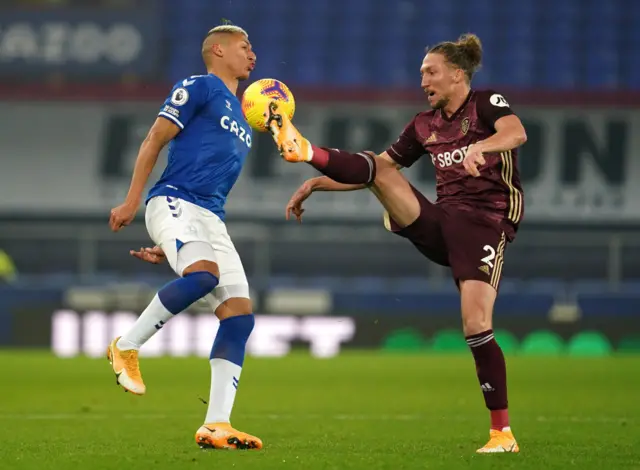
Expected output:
(362, 410)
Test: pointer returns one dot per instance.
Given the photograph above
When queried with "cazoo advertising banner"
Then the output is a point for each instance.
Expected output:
(579, 165)
(78, 43)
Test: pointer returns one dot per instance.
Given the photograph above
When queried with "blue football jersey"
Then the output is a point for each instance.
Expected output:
(207, 155)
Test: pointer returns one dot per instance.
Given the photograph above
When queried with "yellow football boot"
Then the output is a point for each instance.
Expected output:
(500, 441)
(125, 366)
(223, 436)
(292, 146)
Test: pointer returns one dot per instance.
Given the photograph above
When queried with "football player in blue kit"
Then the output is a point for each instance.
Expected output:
(208, 139)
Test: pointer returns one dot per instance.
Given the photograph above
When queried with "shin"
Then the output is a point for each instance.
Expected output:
(478, 299)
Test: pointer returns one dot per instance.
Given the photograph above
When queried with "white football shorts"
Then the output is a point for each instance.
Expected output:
(188, 233)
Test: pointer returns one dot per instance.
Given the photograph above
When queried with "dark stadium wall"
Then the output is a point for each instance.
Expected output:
(136, 90)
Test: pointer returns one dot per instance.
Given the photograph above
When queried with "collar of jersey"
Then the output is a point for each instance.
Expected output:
(457, 111)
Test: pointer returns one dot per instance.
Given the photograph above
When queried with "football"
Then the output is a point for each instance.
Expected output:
(257, 96)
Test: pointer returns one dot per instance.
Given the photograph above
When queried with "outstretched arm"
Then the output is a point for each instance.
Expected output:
(160, 134)
(320, 183)
(324, 183)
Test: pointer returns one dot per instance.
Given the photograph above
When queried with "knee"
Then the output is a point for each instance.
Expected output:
(474, 324)
(383, 170)
(203, 266)
(204, 275)
(234, 307)
(478, 299)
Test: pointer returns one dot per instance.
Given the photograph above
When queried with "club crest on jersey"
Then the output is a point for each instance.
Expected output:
(180, 96)
(464, 126)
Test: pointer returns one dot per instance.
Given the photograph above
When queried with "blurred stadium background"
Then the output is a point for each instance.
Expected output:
(81, 81)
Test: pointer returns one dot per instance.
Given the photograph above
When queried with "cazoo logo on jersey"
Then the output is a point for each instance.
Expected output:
(446, 159)
(232, 126)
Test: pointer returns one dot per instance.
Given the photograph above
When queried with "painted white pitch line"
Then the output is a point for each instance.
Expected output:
(285, 417)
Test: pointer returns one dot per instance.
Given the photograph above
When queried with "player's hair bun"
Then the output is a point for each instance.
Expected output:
(471, 47)
(465, 53)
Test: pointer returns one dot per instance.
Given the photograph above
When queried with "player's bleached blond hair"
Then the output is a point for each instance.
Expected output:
(227, 28)
(222, 29)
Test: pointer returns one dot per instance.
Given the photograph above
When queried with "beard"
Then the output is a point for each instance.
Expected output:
(441, 103)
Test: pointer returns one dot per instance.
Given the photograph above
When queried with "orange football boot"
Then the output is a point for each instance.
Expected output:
(500, 442)
(292, 146)
(125, 366)
(223, 436)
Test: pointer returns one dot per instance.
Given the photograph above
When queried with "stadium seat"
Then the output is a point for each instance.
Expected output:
(391, 61)
(410, 284)
(558, 64)
(483, 79)
(630, 28)
(601, 42)
(524, 303)
(572, 33)
(331, 283)
(438, 32)
(479, 8)
(277, 282)
(507, 11)
(482, 25)
(556, 46)
(610, 304)
(309, 71)
(431, 9)
(443, 286)
(516, 66)
(596, 9)
(391, 304)
(629, 286)
(367, 284)
(562, 15)
(510, 285)
(555, 287)
(310, 27)
(589, 343)
(601, 68)
(633, 72)
(352, 67)
(589, 286)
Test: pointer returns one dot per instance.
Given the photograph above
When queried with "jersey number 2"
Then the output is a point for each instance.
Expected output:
(488, 260)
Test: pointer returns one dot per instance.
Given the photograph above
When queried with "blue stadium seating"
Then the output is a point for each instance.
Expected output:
(566, 44)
